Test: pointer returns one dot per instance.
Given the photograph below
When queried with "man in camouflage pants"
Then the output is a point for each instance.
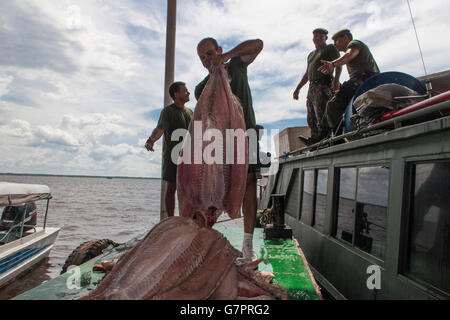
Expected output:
(321, 86)
(361, 65)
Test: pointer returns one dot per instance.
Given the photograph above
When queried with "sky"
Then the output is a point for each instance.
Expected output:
(82, 81)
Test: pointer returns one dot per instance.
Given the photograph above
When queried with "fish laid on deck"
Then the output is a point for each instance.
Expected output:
(211, 175)
(178, 260)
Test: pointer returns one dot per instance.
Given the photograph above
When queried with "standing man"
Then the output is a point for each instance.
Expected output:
(211, 54)
(360, 66)
(172, 117)
(320, 86)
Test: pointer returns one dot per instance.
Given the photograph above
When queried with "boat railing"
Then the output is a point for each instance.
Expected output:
(13, 226)
(23, 220)
(49, 196)
(395, 121)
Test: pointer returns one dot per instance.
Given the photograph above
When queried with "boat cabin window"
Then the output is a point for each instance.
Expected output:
(292, 195)
(321, 199)
(429, 225)
(345, 219)
(362, 208)
(306, 214)
(314, 197)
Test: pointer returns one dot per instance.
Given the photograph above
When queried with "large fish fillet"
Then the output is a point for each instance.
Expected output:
(175, 260)
(179, 260)
(211, 187)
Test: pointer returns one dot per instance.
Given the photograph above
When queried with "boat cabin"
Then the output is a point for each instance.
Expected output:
(372, 215)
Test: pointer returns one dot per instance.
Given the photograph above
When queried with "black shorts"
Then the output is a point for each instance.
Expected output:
(169, 171)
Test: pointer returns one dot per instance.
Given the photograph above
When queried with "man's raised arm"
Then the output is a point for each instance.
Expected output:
(327, 66)
(247, 50)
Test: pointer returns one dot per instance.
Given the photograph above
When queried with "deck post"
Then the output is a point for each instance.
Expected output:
(23, 220)
(46, 211)
(169, 78)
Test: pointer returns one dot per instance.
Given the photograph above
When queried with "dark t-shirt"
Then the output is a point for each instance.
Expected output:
(237, 71)
(364, 61)
(172, 118)
(328, 53)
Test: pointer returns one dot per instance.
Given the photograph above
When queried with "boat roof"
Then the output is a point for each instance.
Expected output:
(19, 193)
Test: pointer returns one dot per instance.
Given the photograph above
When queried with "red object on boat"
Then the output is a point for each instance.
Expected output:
(420, 105)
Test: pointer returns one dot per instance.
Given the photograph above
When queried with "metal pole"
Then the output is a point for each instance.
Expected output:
(23, 218)
(170, 48)
(46, 211)
(169, 78)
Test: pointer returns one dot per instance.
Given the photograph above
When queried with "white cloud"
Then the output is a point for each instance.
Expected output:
(48, 135)
(110, 153)
(82, 82)
(17, 128)
(5, 81)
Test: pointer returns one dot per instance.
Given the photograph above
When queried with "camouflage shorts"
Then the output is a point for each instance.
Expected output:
(316, 101)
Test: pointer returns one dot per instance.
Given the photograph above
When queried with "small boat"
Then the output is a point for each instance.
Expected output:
(22, 243)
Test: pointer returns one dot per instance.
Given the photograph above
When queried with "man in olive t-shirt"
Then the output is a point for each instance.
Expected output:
(360, 65)
(172, 117)
(211, 54)
(321, 86)
(237, 70)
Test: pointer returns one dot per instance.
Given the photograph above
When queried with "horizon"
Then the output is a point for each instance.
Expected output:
(73, 176)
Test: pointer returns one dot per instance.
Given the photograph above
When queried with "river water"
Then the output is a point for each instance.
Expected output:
(87, 209)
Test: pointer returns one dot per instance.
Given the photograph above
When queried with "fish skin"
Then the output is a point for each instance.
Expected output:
(169, 264)
(210, 189)
(228, 288)
(256, 284)
(178, 260)
(250, 290)
(209, 276)
(167, 255)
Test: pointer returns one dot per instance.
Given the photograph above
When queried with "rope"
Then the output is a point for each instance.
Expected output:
(226, 220)
(12, 225)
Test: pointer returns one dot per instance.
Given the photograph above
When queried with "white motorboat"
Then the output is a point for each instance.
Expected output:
(22, 242)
